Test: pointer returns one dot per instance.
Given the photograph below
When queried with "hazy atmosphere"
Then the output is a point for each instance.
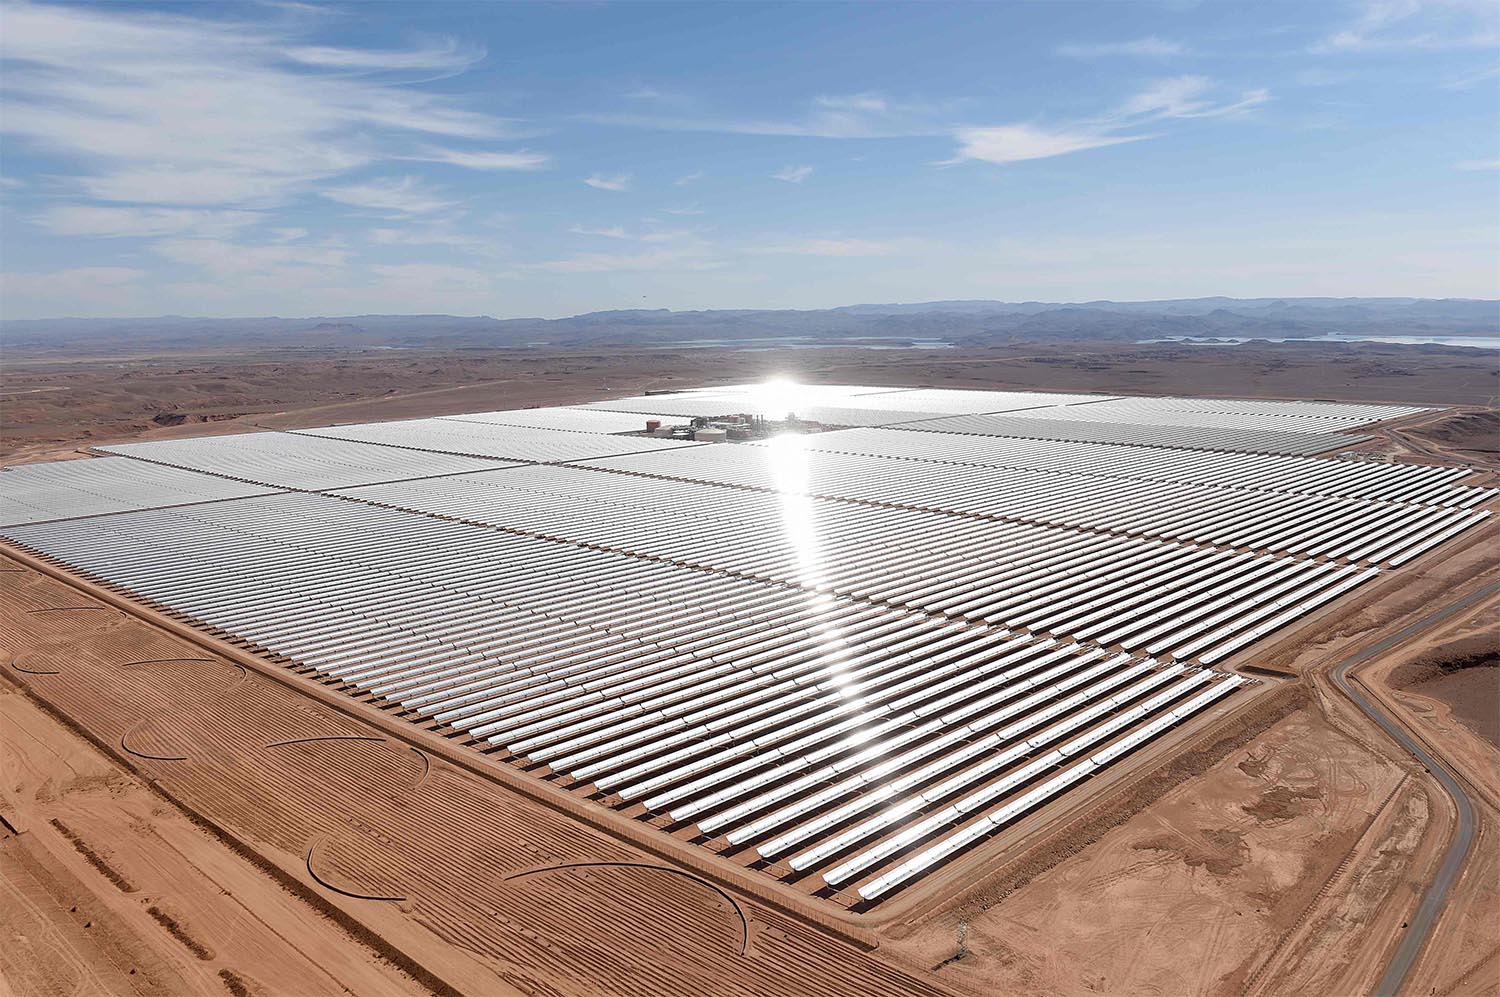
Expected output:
(529, 160)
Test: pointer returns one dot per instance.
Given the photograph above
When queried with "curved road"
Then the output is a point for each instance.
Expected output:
(1421, 924)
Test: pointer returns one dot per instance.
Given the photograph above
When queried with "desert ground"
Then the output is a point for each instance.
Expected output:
(55, 403)
(179, 815)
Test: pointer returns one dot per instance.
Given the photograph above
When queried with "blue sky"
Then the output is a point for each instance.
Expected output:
(532, 159)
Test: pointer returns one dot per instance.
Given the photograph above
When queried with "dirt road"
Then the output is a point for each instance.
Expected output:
(1420, 926)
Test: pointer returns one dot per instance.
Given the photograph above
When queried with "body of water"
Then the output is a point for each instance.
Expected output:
(764, 343)
(1473, 342)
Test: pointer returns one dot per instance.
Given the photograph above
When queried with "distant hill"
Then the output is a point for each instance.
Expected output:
(973, 323)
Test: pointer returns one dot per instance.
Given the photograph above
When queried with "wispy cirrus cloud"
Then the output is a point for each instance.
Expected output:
(1477, 165)
(793, 174)
(115, 221)
(481, 160)
(435, 233)
(870, 102)
(405, 195)
(839, 247)
(607, 232)
(1417, 25)
(1002, 144)
(604, 181)
(1187, 97)
(438, 55)
(429, 278)
(1174, 98)
(865, 115)
(226, 260)
(1148, 47)
(688, 258)
(168, 109)
(1468, 81)
(86, 290)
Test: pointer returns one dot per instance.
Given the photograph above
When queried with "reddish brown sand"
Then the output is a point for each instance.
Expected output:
(1191, 895)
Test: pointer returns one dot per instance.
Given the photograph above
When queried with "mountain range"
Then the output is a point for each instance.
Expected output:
(966, 323)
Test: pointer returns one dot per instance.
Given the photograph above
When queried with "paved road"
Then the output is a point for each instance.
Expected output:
(1420, 925)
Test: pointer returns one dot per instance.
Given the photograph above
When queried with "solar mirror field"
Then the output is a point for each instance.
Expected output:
(849, 638)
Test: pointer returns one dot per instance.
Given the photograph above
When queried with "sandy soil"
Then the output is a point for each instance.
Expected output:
(473, 888)
(111, 889)
(1190, 895)
(53, 405)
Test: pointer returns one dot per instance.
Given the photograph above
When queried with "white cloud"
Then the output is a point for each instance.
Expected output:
(612, 232)
(55, 279)
(1420, 25)
(1178, 97)
(683, 181)
(521, 160)
(1478, 164)
(113, 221)
(404, 196)
(684, 259)
(426, 279)
(668, 235)
(224, 259)
(847, 116)
(437, 234)
(1185, 97)
(599, 181)
(843, 247)
(168, 109)
(871, 102)
(793, 174)
(72, 291)
(445, 55)
(1149, 47)
(1470, 80)
(686, 209)
(1017, 143)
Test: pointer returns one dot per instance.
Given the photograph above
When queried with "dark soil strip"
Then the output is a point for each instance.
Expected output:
(235, 983)
(175, 929)
(108, 871)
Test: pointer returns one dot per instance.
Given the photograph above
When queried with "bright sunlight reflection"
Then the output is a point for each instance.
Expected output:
(789, 460)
